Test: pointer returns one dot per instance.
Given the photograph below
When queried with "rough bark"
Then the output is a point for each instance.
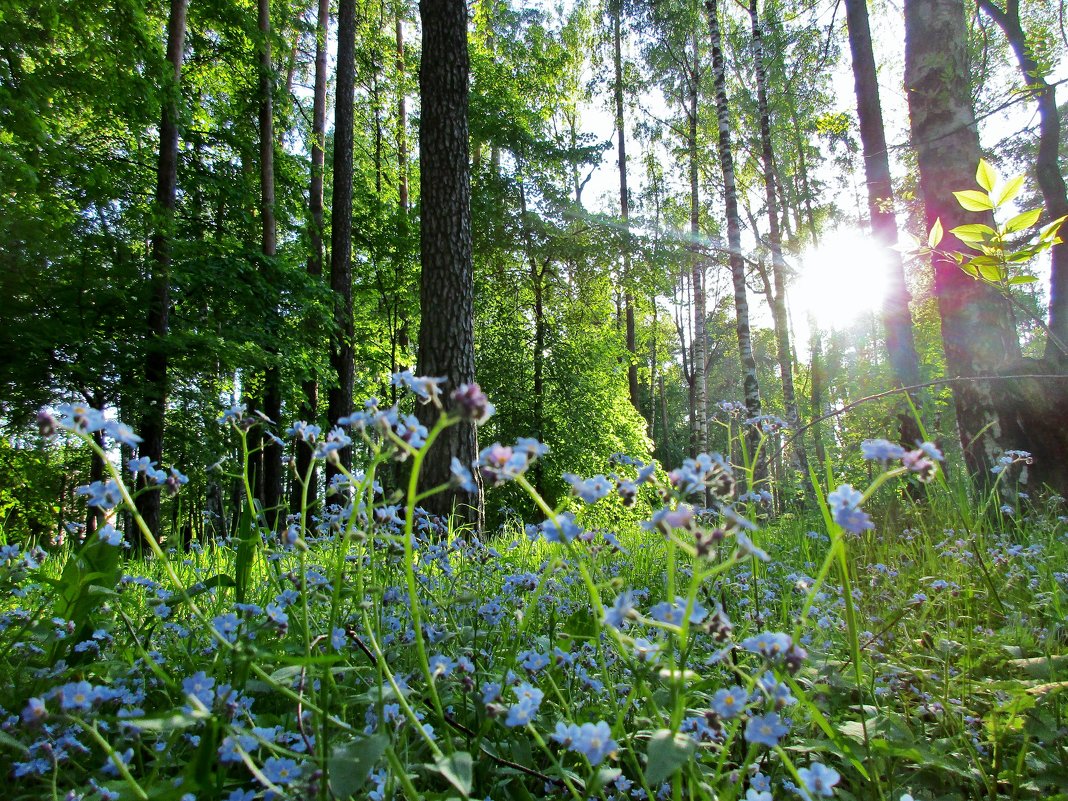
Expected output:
(446, 335)
(272, 387)
(697, 277)
(156, 360)
(776, 298)
(339, 398)
(734, 224)
(309, 409)
(1047, 165)
(897, 319)
(977, 331)
(624, 203)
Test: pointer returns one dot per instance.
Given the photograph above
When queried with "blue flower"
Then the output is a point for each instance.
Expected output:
(765, 729)
(426, 388)
(528, 699)
(845, 506)
(122, 433)
(673, 614)
(109, 534)
(278, 770)
(819, 779)
(102, 494)
(441, 666)
(461, 477)
(594, 741)
(565, 734)
(227, 626)
(34, 712)
(338, 638)
(621, 610)
(881, 450)
(563, 529)
(589, 490)
(76, 696)
(532, 661)
(200, 685)
(729, 701)
(772, 645)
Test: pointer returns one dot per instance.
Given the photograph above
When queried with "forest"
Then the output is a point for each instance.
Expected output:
(605, 399)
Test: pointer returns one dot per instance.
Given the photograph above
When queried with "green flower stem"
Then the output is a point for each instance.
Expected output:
(402, 701)
(555, 760)
(409, 562)
(116, 760)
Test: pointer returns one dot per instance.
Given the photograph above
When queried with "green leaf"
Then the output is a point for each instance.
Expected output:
(991, 272)
(1050, 231)
(1008, 192)
(973, 200)
(351, 763)
(976, 233)
(666, 754)
(458, 769)
(986, 176)
(165, 723)
(1022, 279)
(1022, 221)
(935, 236)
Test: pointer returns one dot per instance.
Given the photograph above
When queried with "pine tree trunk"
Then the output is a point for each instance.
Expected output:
(777, 298)
(697, 273)
(897, 319)
(1047, 168)
(734, 224)
(156, 360)
(309, 409)
(977, 331)
(339, 398)
(446, 335)
(624, 204)
(272, 387)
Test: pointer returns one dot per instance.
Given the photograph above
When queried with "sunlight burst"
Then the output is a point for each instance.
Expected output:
(840, 280)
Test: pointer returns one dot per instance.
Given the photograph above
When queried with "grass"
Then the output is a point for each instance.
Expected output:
(387, 656)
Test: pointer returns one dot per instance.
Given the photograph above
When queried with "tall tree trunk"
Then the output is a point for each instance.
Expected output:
(310, 406)
(818, 387)
(272, 383)
(777, 298)
(402, 125)
(624, 204)
(155, 388)
(734, 224)
(1047, 166)
(897, 320)
(446, 334)
(339, 399)
(697, 277)
(977, 331)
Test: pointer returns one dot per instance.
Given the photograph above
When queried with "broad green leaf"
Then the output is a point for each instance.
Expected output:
(459, 771)
(973, 200)
(935, 236)
(991, 272)
(974, 233)
(1022, 279)
(1022, 221)
(986, 176)
(1008, 191)
(1050, 231)
(352, 762)
(666, 754)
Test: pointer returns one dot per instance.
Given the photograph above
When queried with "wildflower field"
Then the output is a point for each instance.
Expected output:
(900, 645)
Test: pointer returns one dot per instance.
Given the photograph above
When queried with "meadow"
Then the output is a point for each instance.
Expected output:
(659, 635)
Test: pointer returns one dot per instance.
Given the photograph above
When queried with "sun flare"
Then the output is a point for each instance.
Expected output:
(840, 280)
